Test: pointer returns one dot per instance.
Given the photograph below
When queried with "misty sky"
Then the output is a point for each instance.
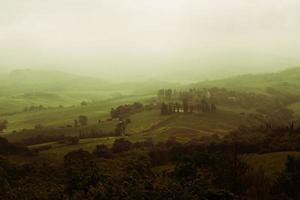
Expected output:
(149, 38)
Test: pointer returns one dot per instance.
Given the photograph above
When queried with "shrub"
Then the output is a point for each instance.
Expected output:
(103, 151)
(121, 145)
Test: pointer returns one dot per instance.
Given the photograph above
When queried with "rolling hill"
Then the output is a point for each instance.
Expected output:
(24, 88)
(285, 81)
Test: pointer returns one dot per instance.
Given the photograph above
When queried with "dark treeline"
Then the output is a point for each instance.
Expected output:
(272, 97)
(7, 148)
(192, 101)
(52, 134)
(123, 111)
(34, 108)
(222, 96)
(273, 130)
(265, 138)
(145, 170)
(186, 107)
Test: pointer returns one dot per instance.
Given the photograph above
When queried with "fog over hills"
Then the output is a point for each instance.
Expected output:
(140, 39)
(149, 99)
(194, 70)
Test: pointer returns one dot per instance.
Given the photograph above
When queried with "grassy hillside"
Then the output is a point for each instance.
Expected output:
(150, 124)
(66, 115)
(287, 81)
(144, 124)
(191, 126)
(76, 89)
(25, 88)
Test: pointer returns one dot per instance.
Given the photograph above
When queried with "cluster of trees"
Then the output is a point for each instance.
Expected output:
(222, 96)
(288, 183)
(272, 119)
(84, 103)
(166, 93)
(121, 127)
(124, 111)
(207, 171)
(273, 98)
(265, 138)
(52, 134)
(40, 108)
(145, 170)
(193, 100)
(3, 125)
(34, 108)
(81, 121)
(39, 138)
(186, 107)
(7, 148)
(169, 94)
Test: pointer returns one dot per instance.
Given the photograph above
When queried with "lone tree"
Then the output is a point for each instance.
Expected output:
(3, 125)
(83, 103)
(83, 120)
(121, 127)
(288, 182)
(164, 110)
(75, 122)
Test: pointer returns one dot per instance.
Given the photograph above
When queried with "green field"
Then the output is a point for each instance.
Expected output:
(186, 127)
(150, 124)
(102, 96)
(66, 115)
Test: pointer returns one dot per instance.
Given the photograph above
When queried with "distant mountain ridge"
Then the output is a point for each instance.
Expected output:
(41, 80)
(22, 81)
(35, 81)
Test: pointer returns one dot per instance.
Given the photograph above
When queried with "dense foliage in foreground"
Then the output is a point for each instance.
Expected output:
(144, 170)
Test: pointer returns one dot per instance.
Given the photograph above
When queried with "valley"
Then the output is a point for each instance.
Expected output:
(52, 124)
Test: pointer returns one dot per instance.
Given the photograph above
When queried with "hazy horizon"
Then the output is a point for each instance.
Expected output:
(140, 39)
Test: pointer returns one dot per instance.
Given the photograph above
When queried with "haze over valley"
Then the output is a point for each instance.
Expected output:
(150, 100)
(137, 39)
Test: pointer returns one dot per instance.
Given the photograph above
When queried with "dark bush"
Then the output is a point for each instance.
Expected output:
(103, 151)
(121, 145)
